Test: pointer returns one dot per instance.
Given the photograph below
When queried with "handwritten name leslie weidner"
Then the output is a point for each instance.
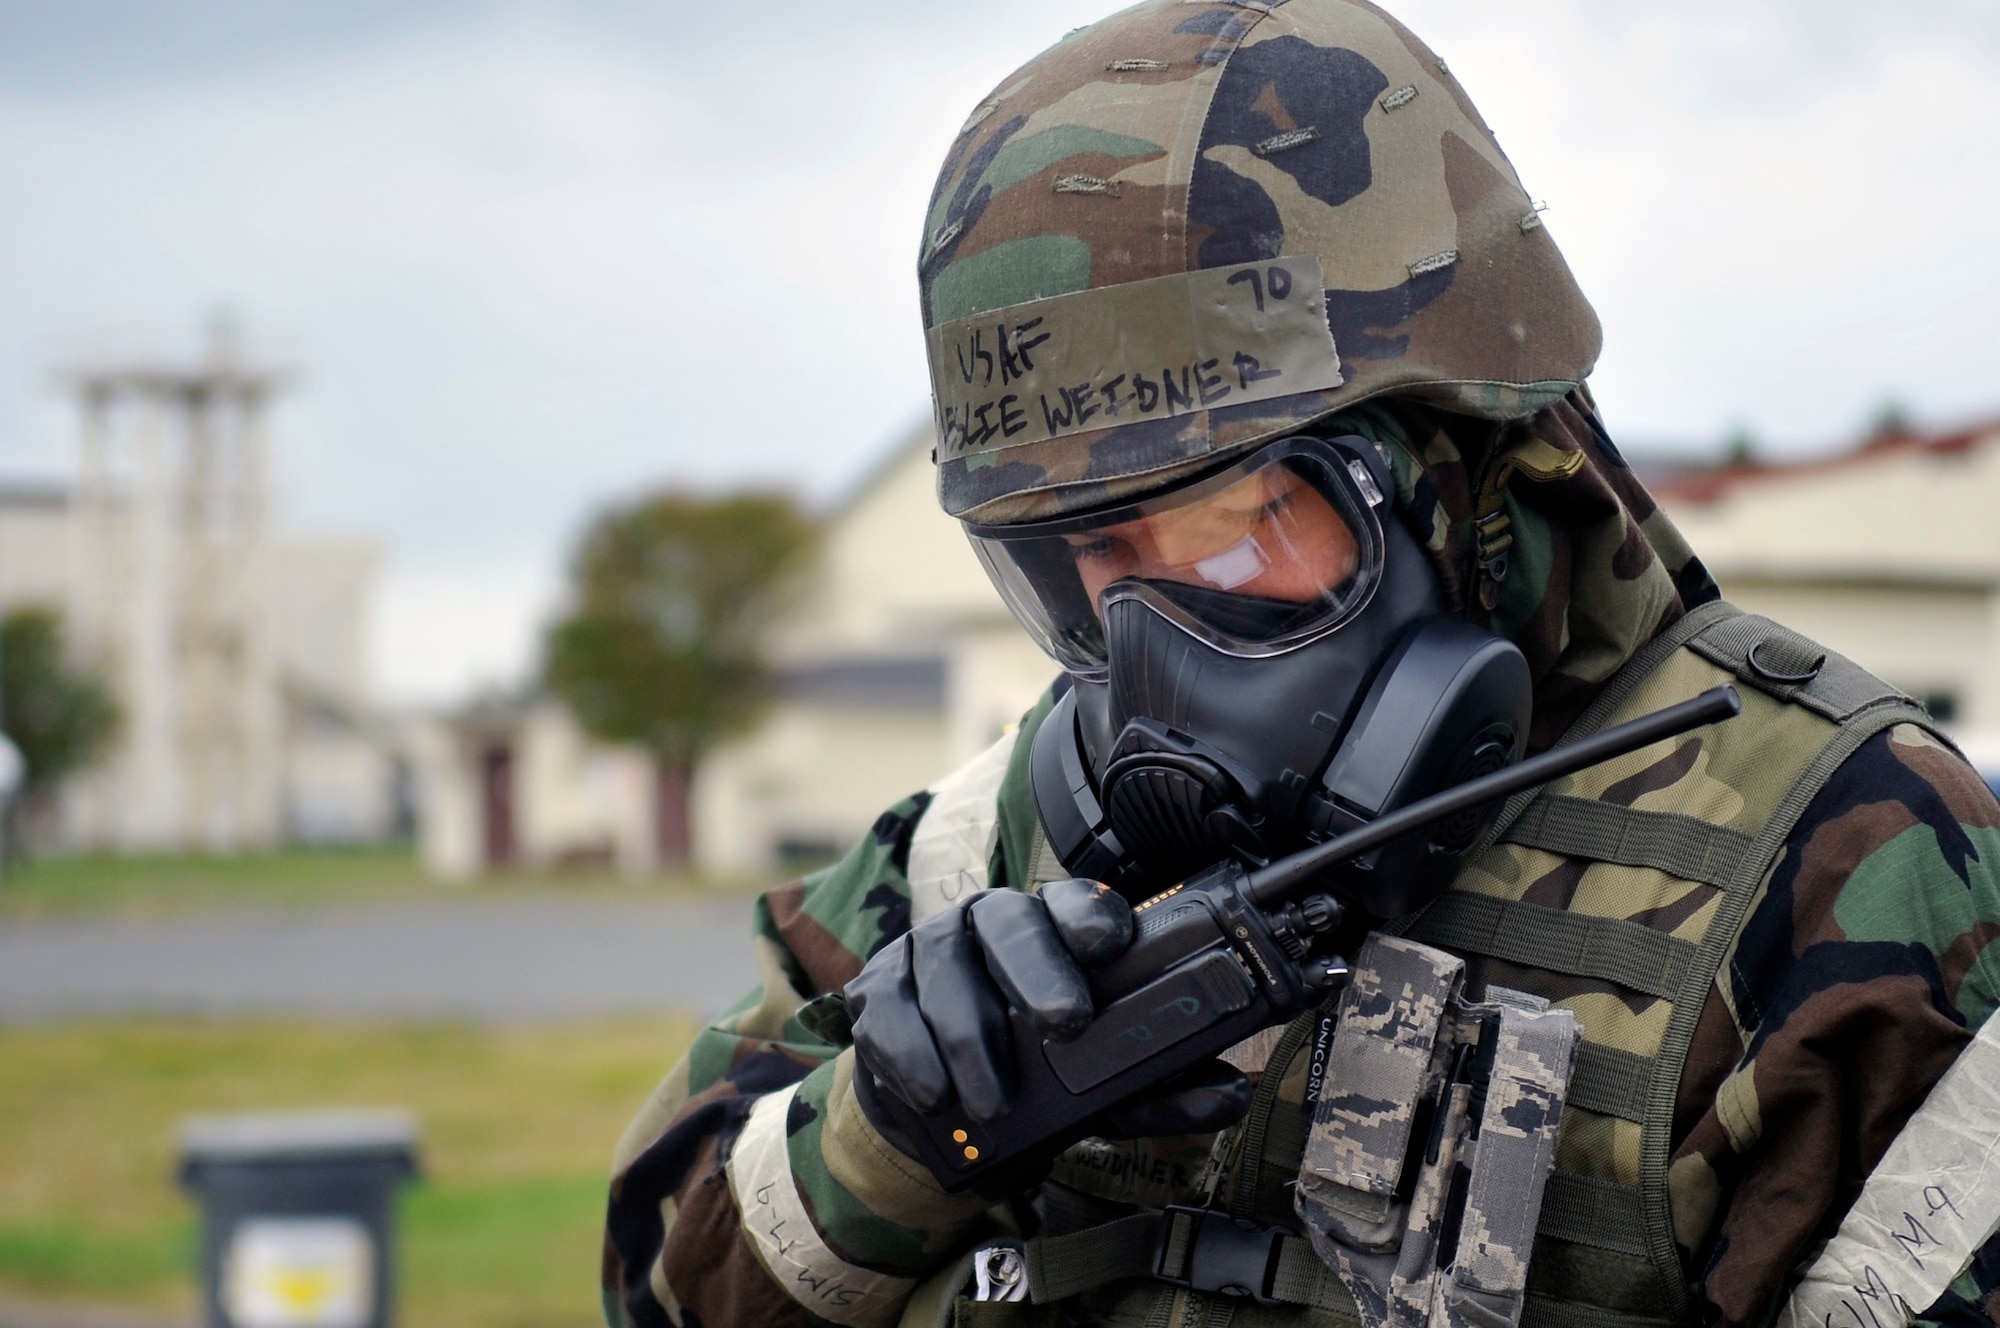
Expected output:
(1141, 350)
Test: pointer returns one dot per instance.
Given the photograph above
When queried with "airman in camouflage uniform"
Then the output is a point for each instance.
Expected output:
(1188, 136)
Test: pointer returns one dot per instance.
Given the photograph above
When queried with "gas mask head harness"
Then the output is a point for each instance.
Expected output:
(1260, 659)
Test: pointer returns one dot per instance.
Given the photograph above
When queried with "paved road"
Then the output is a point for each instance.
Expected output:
(491, 960)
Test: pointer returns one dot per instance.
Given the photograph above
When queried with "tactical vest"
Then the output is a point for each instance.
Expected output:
(1618, 893)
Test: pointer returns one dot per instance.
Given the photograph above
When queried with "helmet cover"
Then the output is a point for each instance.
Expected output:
(1197, 225)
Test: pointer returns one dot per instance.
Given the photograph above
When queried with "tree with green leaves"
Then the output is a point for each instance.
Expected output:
(670, 601)
(60, 717)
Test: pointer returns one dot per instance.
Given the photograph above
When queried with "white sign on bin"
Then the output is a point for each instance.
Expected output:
(299, 1273)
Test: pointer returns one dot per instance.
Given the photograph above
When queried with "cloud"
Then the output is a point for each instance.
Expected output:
(1776, 208)
(442, 630)
(531, 255)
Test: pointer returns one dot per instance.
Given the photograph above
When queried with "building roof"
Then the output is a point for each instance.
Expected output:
(1903, 509)
(1709, 484)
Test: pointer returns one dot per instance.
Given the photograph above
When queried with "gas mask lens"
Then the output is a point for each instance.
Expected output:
(1260, 558)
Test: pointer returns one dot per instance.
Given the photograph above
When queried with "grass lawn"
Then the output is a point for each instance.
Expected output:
(153, 885)
(502, 1232)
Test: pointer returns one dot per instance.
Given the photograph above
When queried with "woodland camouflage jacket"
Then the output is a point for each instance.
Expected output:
(1863, 969)
(1858, 977)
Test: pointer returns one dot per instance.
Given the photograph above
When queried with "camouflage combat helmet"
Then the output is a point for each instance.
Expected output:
(1200, 224)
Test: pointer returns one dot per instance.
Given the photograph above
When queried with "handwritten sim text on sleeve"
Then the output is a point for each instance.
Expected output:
(1931, 1203)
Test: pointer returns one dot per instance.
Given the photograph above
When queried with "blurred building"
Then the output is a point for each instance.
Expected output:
(903, 662)
(1888, 553)
(513, 783)
(235, 650)
(896, 664)
(899, 664)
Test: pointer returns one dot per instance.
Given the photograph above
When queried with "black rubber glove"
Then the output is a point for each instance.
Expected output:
(930, 1010)
(1206, 1098)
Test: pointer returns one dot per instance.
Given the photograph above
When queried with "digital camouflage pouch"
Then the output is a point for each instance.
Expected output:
(1432, 1139)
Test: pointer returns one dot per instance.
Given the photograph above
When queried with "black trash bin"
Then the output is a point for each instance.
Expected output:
(297, 1215)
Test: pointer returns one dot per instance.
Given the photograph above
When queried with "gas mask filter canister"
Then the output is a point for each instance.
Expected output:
(1259, 661)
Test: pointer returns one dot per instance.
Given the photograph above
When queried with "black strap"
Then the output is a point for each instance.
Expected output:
(1199, 1249)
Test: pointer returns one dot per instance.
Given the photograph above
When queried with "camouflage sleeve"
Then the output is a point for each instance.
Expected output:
(750, 1189)
(1973, 1300)
(1863, 971)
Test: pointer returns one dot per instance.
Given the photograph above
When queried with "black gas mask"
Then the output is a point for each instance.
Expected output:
(1260, 659)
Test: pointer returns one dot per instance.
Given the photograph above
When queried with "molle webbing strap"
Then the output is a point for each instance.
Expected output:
(1284, 1140)
(1777, 660)
(1625, 1222)
(1297, 1277)
(1588, 1210)
(1304, 1280)
(1610, 698)
(1610, 1081)
(1633, 956)
(1545, 1313)
(1260, 1188)
(1245, 1185)
(1043, 864)
(1063, 1266)
(1067, 1265)
(1682, 846)
(1492, 525)
(1862, 712)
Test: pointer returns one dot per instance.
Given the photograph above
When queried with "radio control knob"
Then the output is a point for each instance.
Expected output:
(1319, 913)
(1326, 973)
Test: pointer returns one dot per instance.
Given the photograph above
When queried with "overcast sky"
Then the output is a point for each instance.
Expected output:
(531, 256)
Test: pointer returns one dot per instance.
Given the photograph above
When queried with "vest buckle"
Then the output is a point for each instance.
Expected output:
(1204, 1250)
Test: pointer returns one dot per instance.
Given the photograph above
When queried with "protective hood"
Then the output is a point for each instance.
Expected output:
(1541, 533)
